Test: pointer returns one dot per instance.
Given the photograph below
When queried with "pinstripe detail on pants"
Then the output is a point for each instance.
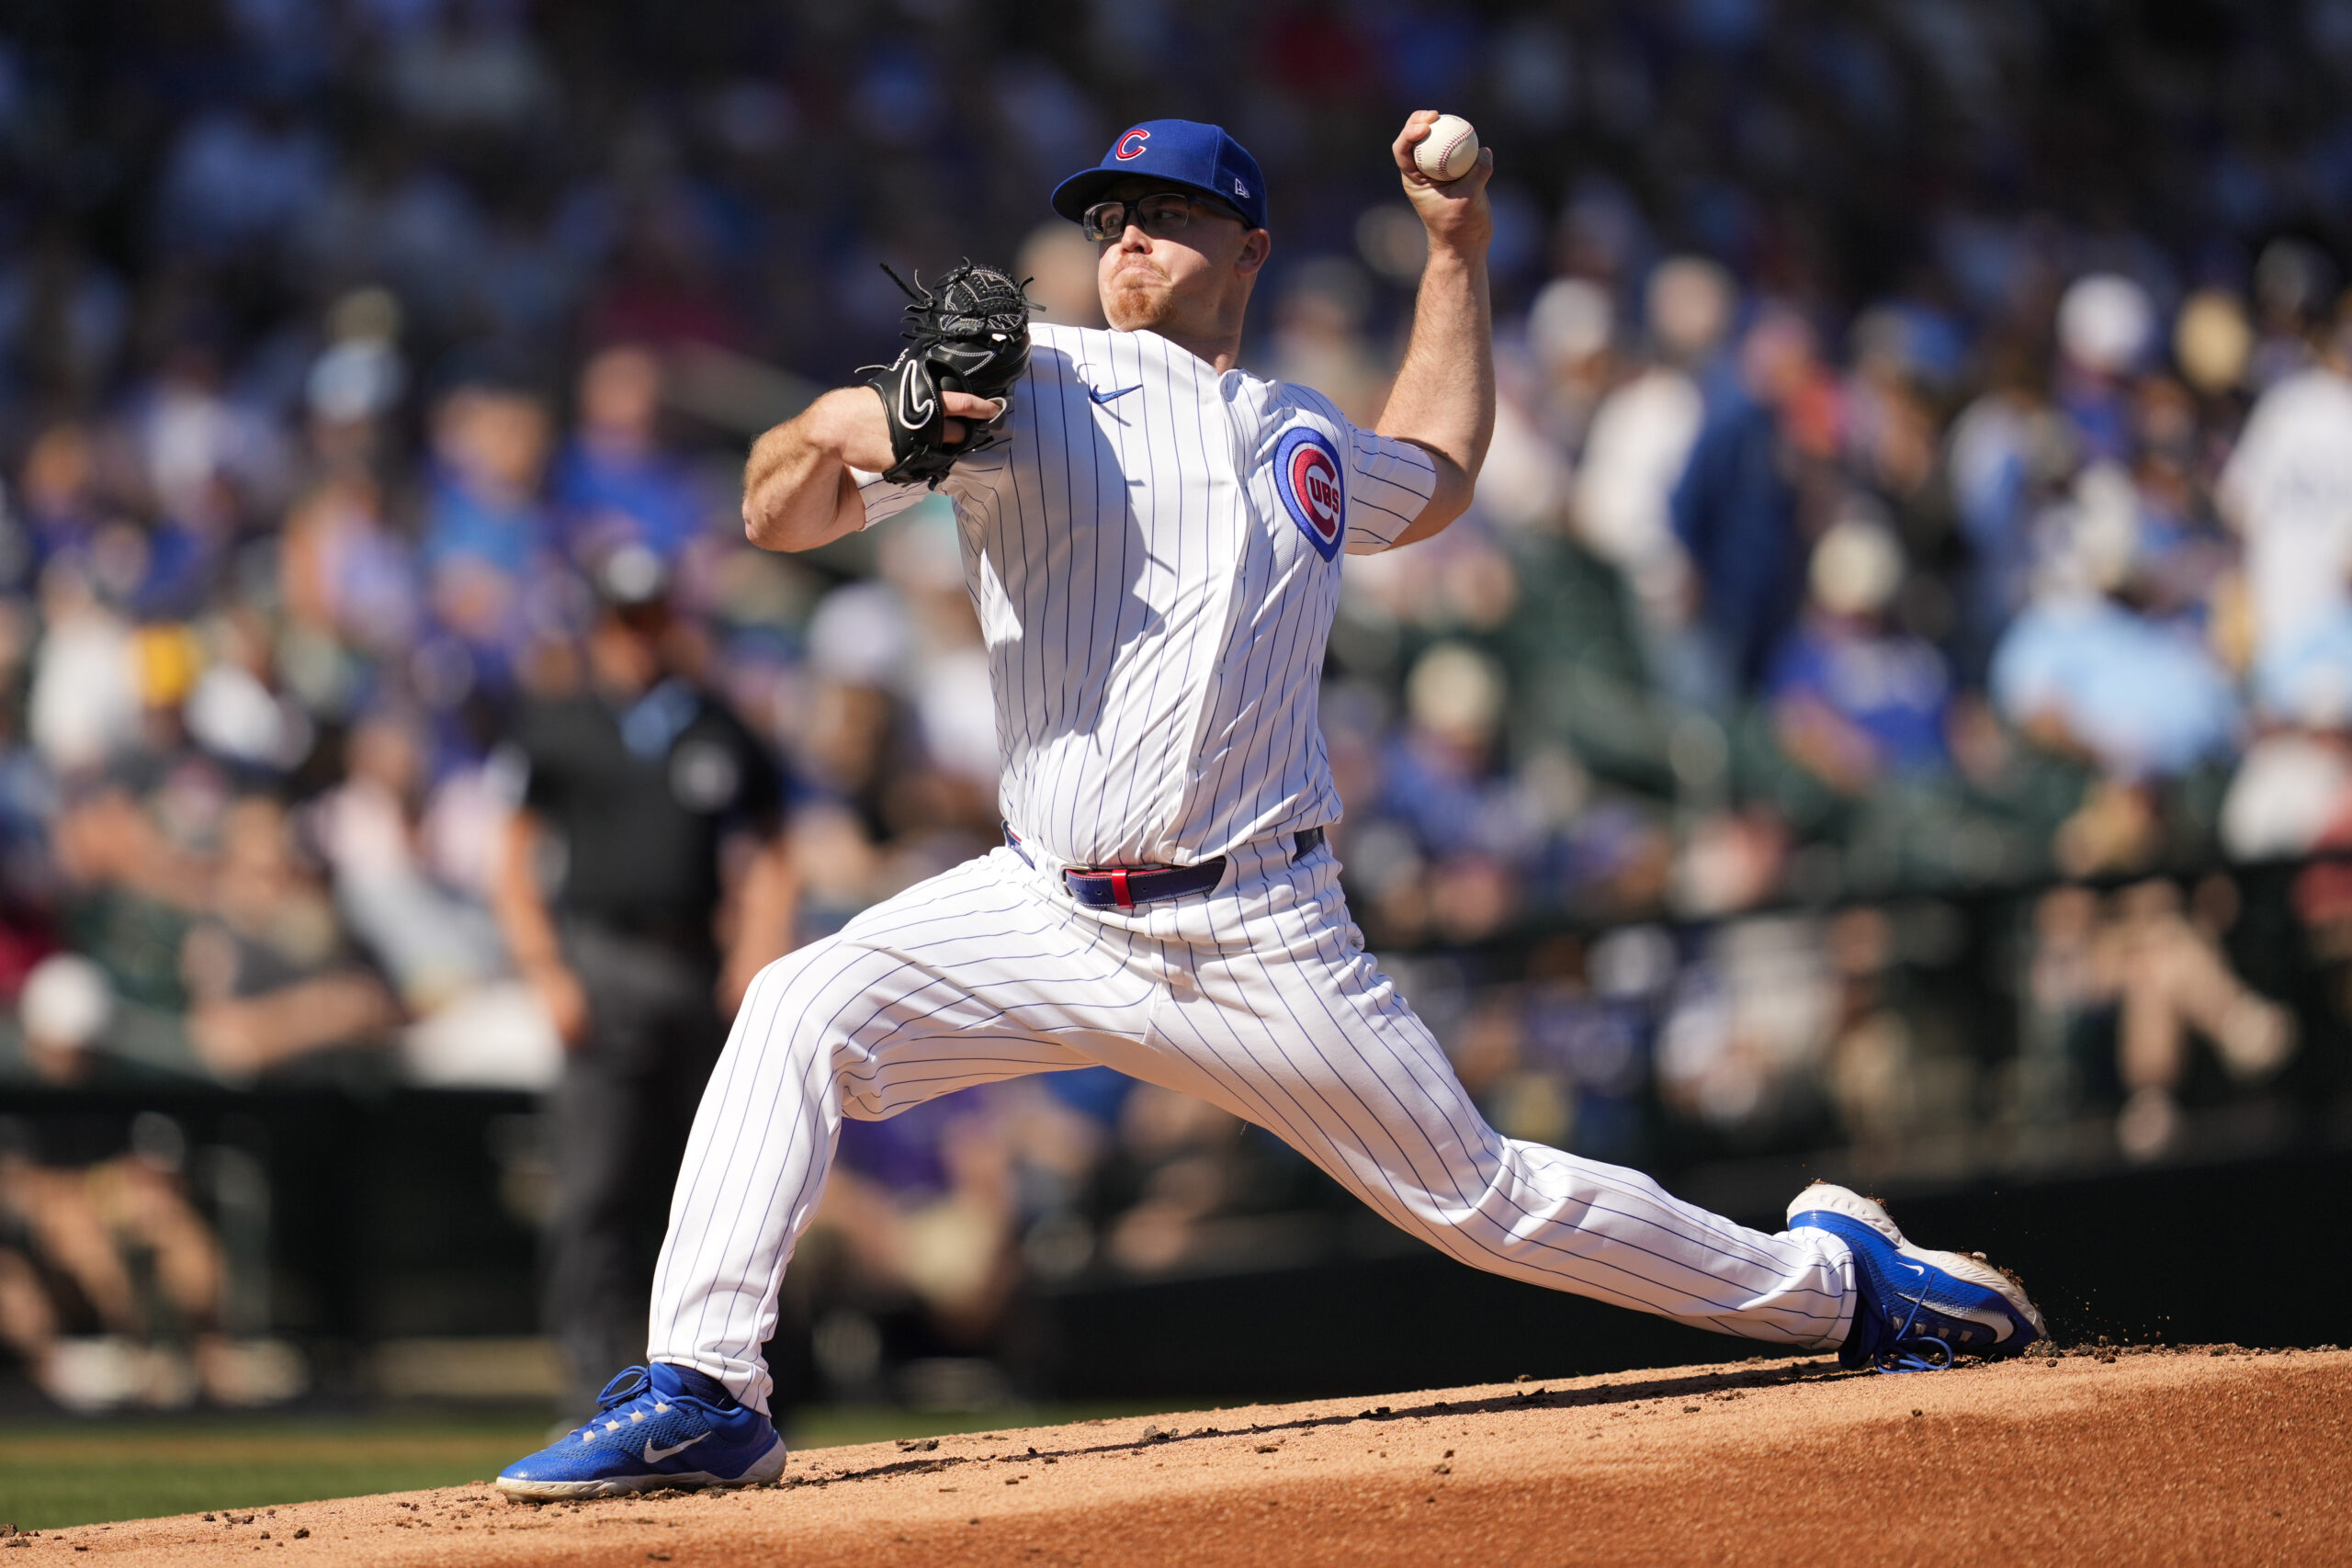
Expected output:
(1276, 1013)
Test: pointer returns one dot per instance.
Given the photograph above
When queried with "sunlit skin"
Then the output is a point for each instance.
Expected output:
(1192, 287)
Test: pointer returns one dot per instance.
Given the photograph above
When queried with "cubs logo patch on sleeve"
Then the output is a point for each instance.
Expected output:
(1307, 472)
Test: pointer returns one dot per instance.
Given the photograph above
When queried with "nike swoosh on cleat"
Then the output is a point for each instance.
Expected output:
(2000, 1327)
(655, 1456)
(1106, 397)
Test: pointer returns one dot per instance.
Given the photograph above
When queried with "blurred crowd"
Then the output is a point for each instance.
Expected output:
(1925, 467)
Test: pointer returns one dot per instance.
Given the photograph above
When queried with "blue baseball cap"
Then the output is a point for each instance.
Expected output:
(1181, 152)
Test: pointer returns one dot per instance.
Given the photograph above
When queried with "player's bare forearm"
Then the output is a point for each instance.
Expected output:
(799, 491)
(1443, 400)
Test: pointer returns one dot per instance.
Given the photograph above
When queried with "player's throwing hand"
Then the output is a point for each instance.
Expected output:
(1455, 212)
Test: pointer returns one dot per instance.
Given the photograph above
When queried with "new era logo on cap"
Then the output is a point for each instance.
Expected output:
(1180, 153)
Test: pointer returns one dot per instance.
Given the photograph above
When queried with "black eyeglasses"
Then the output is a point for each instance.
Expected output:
(1161, 214)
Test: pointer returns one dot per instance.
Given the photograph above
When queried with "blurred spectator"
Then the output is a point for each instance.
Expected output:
(432, 943)
(1853, 699)
(267, 977)
(488, 533)
(110, 1282)
(65, 1007)
(2105, 326)
(2295, 284)
(357, 379)
(1635, 453)
(1183, 1147)
(2288, 489)
(614, 484)
(350, 588)
(2291, 794)
(1740, 1045)
(925, 1208)
(2213, 341)
(1735, 505)
(1443, 782)
(2085, 674)
(2160, 966)
(1572, 330)
(84, 704)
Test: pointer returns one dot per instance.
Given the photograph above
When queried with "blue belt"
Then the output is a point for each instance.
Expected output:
(1124, 886)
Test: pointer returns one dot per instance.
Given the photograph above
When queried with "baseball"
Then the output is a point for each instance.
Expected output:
(1449, 150)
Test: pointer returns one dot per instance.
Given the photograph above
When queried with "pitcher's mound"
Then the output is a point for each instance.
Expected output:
(2197, 1455)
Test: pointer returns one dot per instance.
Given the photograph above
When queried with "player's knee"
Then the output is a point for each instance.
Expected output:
(776, 974)
(788, 1001)
(796, 984)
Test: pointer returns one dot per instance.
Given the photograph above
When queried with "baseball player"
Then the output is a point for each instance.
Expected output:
(1151, 536)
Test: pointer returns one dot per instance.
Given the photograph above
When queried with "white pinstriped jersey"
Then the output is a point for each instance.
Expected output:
(1153, 550)
(1154, 553)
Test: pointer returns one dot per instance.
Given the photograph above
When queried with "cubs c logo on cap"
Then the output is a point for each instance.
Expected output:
(1131, 144)
(1307, 472)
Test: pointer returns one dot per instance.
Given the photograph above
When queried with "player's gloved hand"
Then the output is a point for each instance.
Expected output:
(970, 335)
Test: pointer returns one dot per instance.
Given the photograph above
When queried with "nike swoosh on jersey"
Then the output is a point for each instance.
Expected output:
(655, 1456)
(1106, 397)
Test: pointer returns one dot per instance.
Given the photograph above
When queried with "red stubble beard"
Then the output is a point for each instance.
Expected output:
(1136, 298)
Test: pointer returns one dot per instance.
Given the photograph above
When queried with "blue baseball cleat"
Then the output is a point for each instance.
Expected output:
(654, 1427)
(1915, 1310)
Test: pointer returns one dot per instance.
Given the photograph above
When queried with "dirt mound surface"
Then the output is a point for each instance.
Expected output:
(2203, 1455)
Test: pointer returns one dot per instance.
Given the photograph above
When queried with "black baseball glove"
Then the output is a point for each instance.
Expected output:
(969, 334)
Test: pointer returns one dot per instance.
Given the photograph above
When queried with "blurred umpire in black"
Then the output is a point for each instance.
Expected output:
(643, 884)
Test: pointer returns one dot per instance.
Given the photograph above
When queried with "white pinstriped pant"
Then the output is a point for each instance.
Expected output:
(1258, 997)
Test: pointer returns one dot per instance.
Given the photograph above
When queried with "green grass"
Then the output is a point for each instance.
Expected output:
(72, 1474)
(55, 1473)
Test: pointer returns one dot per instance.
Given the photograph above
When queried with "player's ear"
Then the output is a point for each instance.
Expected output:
(1256, 246)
